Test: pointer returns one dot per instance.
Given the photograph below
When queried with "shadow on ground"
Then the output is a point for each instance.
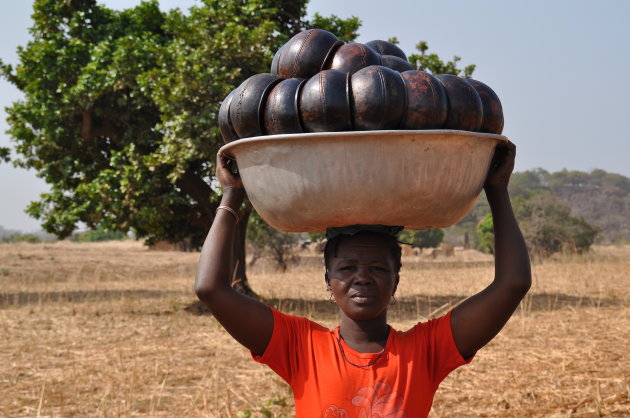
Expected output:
(427, 306)
(78, 296)
(420, 306)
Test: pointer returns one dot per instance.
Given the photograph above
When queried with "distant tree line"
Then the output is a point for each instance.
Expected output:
(560, 211)
(95, 235)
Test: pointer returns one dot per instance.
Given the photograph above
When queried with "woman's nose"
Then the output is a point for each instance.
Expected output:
(363, 275)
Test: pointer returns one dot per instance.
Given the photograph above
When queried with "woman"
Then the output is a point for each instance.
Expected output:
(364, 367)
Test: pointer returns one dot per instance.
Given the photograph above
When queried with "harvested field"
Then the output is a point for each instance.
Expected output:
(107, 330)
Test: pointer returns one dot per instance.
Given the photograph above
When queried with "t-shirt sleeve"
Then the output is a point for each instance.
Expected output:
(288, 338)
(442, 354)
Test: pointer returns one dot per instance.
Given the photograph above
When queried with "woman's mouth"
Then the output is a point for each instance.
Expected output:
(362, 298)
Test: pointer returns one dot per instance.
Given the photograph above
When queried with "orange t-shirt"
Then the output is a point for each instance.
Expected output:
(401, 383)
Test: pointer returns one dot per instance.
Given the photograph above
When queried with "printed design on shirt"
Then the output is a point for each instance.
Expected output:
(333, 411)
(379, 402)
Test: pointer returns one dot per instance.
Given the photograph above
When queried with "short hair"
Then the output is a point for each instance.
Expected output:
(330, 250)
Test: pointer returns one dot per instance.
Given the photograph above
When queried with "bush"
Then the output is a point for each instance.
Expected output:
(97, 235)
(30, 238)
(548, 226)
(430, 238)
(485, 235)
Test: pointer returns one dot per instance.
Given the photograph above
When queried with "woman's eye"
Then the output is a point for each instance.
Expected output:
(347, 268)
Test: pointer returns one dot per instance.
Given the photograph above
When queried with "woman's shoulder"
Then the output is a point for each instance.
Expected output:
(426, 327)
(299, 321)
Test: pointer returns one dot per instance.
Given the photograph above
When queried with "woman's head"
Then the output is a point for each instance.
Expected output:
(389, 241)
(362, 272)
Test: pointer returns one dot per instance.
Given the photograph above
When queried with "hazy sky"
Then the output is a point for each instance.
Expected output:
(561, 69)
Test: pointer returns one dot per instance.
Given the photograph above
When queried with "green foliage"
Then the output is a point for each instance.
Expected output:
(120, 107)
(29, 238)
(316, 236)
(430, 238)
(98, 235)
(5, 154)
(526, 181)
(345, 29)
(548, 227)
(485, 235)
(433, 64)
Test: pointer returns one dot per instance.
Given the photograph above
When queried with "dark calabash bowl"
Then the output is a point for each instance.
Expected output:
(386, 48)
(492, 110)
(396, 63)
(353, 57)
(427, 104)
(324, 102)
(281, 114)
(225, 124)
(465, 111)
(305, 54)
(276, 60)
(248, 102)
(378, 98)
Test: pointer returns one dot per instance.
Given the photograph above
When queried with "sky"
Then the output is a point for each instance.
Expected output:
(561, 69)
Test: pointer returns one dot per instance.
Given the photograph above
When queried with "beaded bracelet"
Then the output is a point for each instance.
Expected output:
(229, 209)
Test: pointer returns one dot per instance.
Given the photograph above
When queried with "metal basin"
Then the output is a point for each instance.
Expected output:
(416, 179)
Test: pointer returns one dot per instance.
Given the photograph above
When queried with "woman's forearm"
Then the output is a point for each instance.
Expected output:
(215, 262)
(512, 265)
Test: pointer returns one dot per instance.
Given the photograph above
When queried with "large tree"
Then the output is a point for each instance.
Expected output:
(119, 109)
(119, 114)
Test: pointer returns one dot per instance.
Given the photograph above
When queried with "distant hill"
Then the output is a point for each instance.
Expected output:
(7, 232)
(11, 234)
(601, 198)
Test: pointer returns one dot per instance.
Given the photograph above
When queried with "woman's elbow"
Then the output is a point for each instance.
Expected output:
(204, 288)
(521, 285)
(203, 293)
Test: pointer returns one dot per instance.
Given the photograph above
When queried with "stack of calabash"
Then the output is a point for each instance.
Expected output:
(318, 83)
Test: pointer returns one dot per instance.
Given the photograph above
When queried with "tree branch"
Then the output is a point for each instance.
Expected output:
(92, 128)
(199, 191)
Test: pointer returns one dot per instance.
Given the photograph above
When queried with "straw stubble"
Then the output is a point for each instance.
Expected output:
(101, 329)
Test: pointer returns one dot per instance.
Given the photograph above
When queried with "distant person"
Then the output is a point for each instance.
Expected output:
(364, 367)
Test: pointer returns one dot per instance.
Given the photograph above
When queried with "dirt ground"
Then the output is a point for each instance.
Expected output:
(107, 330)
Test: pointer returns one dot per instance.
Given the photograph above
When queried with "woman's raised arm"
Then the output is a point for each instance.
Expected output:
(478, 319)
(247, 320)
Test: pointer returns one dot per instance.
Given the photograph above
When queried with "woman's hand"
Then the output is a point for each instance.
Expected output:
(501, 167)
(228, 180)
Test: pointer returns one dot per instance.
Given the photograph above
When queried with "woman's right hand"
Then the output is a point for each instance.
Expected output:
(227, 179)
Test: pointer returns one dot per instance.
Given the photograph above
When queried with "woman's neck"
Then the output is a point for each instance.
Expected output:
(369, 336)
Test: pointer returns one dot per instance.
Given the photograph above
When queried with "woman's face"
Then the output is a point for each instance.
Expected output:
(362, 277)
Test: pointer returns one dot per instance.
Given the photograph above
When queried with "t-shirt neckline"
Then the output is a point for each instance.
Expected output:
(350, 351)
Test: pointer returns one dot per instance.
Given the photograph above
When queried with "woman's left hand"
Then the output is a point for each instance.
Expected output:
(227, 179)
(501, 166)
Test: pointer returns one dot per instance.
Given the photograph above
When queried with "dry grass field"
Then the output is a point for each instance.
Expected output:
(107, 330)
